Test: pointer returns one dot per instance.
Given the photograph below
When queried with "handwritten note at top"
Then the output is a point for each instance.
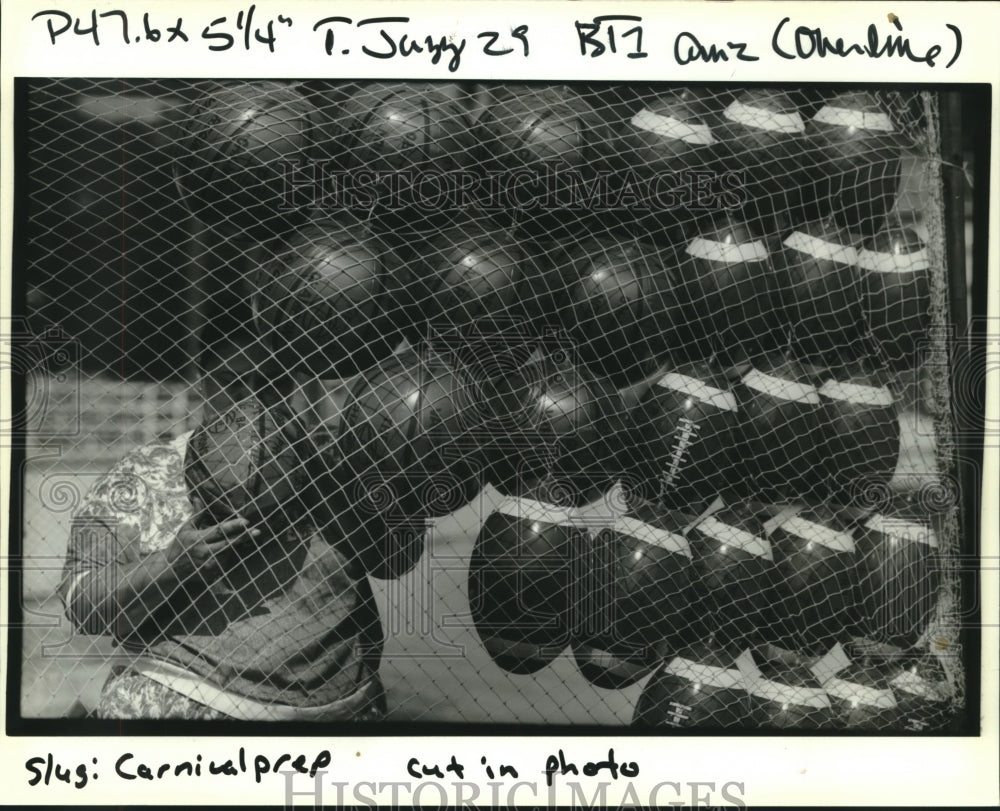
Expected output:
(606, 37)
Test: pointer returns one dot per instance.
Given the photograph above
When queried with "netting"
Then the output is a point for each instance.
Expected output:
(599, 404)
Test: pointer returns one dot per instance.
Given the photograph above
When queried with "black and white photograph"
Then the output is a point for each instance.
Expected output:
(437, 404)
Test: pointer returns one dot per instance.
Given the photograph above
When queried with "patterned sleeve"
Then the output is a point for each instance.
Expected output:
(132, 511)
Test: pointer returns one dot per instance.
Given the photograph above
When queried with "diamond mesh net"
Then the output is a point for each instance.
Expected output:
(596, 404)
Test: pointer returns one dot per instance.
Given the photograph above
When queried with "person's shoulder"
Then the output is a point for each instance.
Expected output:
(150, 469)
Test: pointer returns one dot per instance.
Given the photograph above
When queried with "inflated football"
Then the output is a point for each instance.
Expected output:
(857, 149)
(896, 295)
(761, 131)
(637, 597)
(236, 143)
(529, 127)
(923, 693)
(521, 582)
(664, 140)
(699, 687)
(471, 277)
(777, 439)
(326, 302)
(859, 692)
(670, 133)
(783, 694)
(404, 433)
(861, 434)
(822, 293)
(760, 135)
(398, 140)
(898, 577)
(563, 421)
(540, 144)
(613, 289)
(727, 279)
(733, 575)
(814, 557)
(686, 421)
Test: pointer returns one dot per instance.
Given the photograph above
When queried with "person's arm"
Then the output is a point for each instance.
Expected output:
(119, 598)
(113, 583)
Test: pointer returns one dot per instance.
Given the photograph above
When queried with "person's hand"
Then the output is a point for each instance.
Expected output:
(196, 550)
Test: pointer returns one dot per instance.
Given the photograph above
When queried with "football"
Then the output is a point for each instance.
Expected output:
(637, 597)
(687, 422)
(859, 692)
(858, 151)
(727, 279)
(814, 557)
(896, 295)
(783, 694)
(235, 144)
(472, 278)
(539, 143)
(405, 435)
(898, 577)
(663, 141)
(563, 422)
(521, 582)
(699, 687)
(861, 434)
(761, 131)
(671, 132)
(733, 576)
(614, 291)
(528, 127)
(326, 302)
(760, 136)
(777, 439)
(820, 283)
(400, 142)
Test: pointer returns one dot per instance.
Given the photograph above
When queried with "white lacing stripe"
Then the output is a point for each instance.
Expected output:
(670, 127)
(730, 253)
(652, 535)
(606, 659)
(874, 121)
(857, 393)
(781, 388)
(796, 694)
(824, 536)
(732, 536)
(716, 505)
(912, 683)
(821, 249)
(776, 520)
(747, 666)
(903, 530)
(762, 119)
(860, 693)
(831, 664)
(708, 675)
(531, 510)
(893, 262)
(675, 381)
